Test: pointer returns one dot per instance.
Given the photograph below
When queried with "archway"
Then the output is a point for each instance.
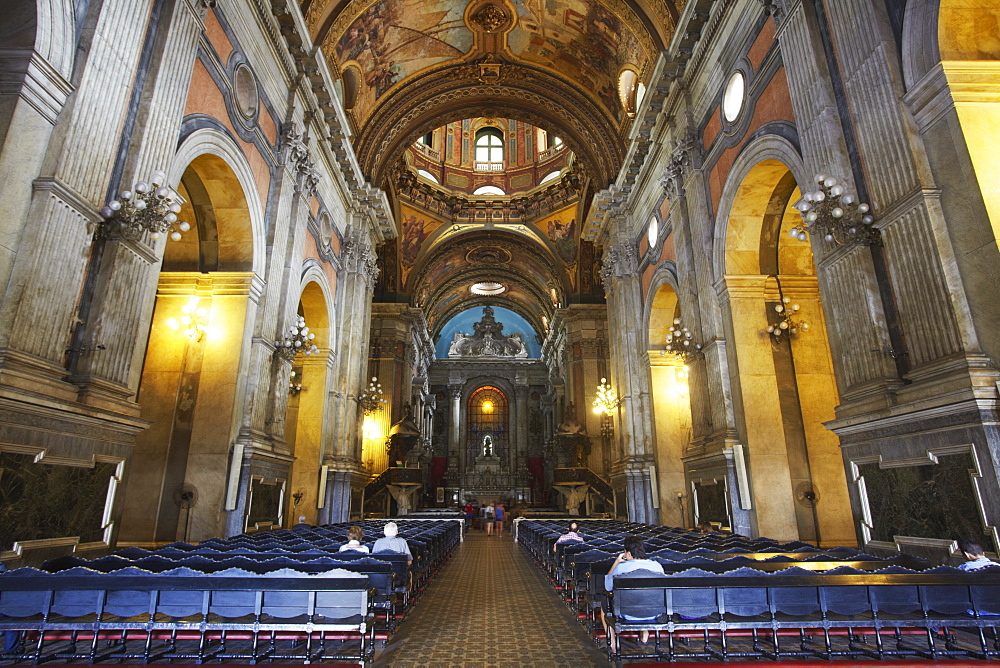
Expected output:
(784, 386)
(671, 398)
(307, 392)
(191, 380)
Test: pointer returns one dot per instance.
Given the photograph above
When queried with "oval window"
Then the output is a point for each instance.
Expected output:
(653, 233)
(732, 98)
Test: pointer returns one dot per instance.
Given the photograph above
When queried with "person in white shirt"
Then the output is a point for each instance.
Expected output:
(355, 535)
(976, 556)
(393, 543)
(631, 560)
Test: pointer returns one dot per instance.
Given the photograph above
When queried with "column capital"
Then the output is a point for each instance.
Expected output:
(619, 260)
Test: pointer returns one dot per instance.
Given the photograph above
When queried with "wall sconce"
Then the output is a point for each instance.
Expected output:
(297, 498)
(606, 400)
(834, 214)
(149, 207)
(786, 323)
(680, 342)
(372, 398)
(294, 388)
(297, 339)
(192, 322)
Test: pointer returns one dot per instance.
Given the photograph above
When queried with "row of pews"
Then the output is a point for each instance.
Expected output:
(726, 597)
(285, 595)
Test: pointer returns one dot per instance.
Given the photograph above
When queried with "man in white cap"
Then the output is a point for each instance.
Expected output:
(393, 543)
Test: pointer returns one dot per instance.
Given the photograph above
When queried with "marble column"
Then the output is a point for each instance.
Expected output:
(343, 450)
(520, 451)
(456, 451)
(629, 376)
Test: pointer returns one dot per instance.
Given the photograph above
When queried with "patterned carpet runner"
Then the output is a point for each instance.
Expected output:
(490, 607)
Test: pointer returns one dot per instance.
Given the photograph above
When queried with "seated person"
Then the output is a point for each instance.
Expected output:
(354, 536)
(393, 543)
(570, 536)
(706, 527)
(975, 555)
(632, 560)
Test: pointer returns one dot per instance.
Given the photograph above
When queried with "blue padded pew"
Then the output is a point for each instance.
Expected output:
(136, 615)
(795, 614)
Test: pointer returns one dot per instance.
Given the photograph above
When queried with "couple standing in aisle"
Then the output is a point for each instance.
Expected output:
(493, 518)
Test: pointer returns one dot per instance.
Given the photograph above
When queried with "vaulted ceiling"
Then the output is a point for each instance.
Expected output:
(409, 66)
(406, 67)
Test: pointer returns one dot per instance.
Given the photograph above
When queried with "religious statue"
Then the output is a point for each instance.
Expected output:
(488, 340)
(487, 446)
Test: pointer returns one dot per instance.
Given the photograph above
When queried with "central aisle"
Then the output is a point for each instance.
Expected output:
(490, 606)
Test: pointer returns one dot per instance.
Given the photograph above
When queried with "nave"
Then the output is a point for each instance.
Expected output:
(490, 606)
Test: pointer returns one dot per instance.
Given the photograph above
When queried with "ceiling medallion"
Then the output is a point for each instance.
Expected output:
(488, 255)
(490, 18)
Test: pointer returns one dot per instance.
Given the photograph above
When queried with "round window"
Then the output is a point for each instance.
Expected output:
(732, 99)
(654, 231)
(246, 91)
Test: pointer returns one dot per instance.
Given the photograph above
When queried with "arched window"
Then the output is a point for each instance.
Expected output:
(489, 150)
(488, 429)
(488, 190)
(427, 175)
(551, 175)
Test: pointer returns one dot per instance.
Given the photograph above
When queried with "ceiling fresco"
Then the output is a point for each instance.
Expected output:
(405, 64)
(392, 39)
(580, 39)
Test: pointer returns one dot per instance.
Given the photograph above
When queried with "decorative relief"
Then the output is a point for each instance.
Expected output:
(488, 255)
(490, 18)
(774, 8)
(619, 260)
(359, 258)
(678, 165)
(297, 156)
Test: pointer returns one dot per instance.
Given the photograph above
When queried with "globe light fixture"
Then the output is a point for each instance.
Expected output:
(298, 339)
(149, 207)
(832, 213)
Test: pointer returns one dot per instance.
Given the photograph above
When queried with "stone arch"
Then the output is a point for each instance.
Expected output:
(47, 27)
(757, 265)
(305, 412)
(317, 301)
(661, 303)
(740, 196)
(212, 149)
(920, 40)
(438, 98)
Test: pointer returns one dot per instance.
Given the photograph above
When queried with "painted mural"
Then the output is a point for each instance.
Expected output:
(560, 228)
(580, 39)
(417, 226)
(387, 51)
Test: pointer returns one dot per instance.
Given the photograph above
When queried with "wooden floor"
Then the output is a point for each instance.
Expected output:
(490, 607)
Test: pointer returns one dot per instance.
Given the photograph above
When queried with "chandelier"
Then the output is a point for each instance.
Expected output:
(297, 339)
(371, 399)
(681, 343)
(192, 322)
(606, 400)
(786, 323)
(149, 207)
(831, 212)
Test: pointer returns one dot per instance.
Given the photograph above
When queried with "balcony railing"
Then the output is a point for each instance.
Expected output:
(489, 166)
